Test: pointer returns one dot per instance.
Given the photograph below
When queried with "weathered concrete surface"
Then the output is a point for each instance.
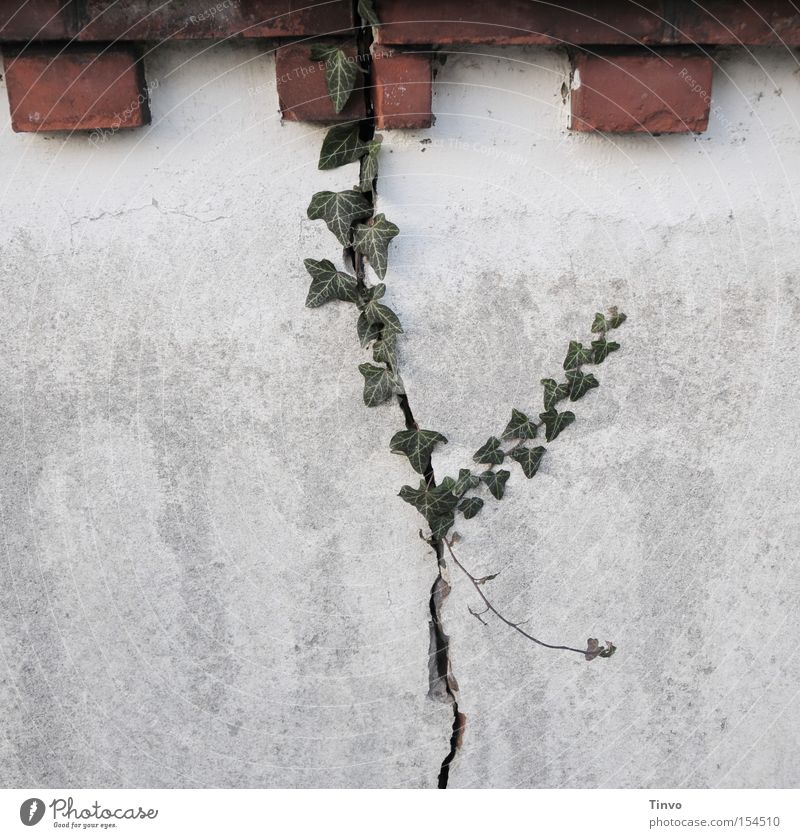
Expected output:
(665, 518)
(207, 578)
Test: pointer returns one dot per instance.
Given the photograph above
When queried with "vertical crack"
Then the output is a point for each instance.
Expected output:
(442, 685)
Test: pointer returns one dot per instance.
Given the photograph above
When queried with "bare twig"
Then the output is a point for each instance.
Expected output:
(478, 615)
(477, 584)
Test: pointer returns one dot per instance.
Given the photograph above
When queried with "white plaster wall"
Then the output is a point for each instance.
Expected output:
(208, 578)
(665, 518)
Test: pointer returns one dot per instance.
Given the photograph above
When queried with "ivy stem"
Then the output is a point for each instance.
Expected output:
(477, 585)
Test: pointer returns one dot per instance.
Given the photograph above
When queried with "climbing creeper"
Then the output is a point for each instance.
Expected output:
(366, 238)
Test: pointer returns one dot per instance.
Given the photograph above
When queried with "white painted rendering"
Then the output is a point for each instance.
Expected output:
(208, 577)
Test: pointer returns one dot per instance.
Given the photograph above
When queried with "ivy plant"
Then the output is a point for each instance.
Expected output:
(366, 237)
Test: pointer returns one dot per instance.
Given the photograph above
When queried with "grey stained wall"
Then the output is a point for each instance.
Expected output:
(207, 577)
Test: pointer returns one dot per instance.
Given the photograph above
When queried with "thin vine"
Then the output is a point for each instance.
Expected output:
(366, 237)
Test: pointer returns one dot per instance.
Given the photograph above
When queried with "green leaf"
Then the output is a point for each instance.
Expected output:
(341, 145)
(384, 350)
(595, 650)
(555, 422)
(580, 383)
(448, 483)
(322, 52)
(471, 507)
(496, 481)
(341, 72)
(379, 313)
(329, 284)
(369, 164)
(528, 458)
(600, 324)
(373, 242)
(367, 13)
(372, 293)
(616, 318)
(553, 392)
(339, 210)
(430, 502)
(367, 330)
(576, 355)
(490, 452)
(439, 526)
(379, 384)
(466, 480)
(417, 445)
(377, 321)
(602, 348)
(520, 426)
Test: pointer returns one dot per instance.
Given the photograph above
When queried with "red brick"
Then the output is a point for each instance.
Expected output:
(402, 91)
(589, 22)
(36, 20)
(303, 92)
(654, 93)
(731, 23)
(78, 89)
(414, 22)
(515, 22)
(185, 19)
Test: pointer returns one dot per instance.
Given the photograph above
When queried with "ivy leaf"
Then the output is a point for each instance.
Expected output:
(379, 313)
(471, 507)
(520, 426)
(466, 480)
(322, 52)
(373, 292)
(369, 164)
(340, 75)
(417, 445)
(339, 210)
(553, 392)
(496, 481)
(373, 242)
(367, 330)
(341, 145)
(609, 650)
(490, 452)
(600, 324)
(616, 318)
(379, 384)
(602, 349)
(377, 321)
(528, 458)
(592, 648)
(555, 422)
(329, 284)
(439, 526)
(384, 351)
(580, 383)
(367, 13)
(576, 355)
(431, 502)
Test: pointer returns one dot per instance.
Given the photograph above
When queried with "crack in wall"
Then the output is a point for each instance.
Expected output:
(153, 204)
(442, 684)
